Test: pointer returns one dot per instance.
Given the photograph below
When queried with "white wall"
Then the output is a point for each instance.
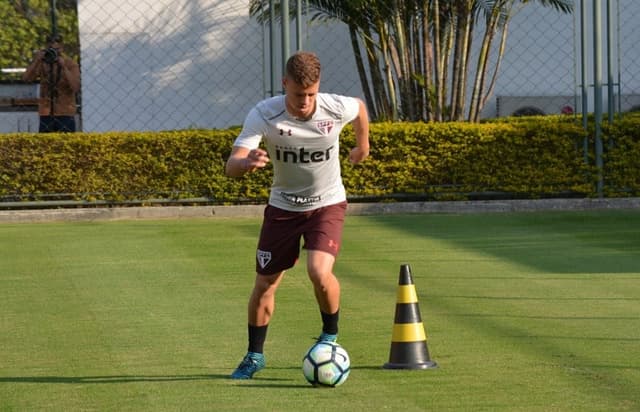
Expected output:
(177, 64)
(167, 64)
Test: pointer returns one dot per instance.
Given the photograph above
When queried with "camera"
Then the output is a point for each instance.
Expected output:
(50, 55)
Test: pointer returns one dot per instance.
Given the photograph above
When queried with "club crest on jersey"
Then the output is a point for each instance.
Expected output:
(325, 126)
(263, 257)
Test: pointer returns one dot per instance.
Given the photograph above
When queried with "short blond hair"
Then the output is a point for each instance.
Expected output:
(304, 68)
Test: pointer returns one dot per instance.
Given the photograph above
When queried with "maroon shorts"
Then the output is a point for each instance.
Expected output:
(282, 230)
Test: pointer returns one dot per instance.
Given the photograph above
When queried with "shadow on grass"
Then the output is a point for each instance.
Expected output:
(582, 242)
(255, 384)
(275, 383)
(109, 379)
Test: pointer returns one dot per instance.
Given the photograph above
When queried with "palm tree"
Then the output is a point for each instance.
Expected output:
(413, 56)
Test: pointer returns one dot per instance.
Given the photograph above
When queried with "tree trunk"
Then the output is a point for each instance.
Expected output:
(483, 59)
(496, 70)
(371, 108)
(427, 63)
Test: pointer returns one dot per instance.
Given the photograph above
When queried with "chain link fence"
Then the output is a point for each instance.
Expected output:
(627, 14)
(157, 65)
(542, 68)
(180, 64)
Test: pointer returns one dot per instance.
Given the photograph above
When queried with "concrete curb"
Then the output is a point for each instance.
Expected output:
(494, 206)
(252, 211)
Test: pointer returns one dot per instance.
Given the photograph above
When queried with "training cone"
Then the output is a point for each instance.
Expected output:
(409, 342)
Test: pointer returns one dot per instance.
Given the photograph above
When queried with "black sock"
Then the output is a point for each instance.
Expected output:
(257, 336)
(330, 322)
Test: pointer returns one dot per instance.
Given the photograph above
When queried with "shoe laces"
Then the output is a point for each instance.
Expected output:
(249, 361)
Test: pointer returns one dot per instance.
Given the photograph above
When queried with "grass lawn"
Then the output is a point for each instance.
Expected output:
(523, 312)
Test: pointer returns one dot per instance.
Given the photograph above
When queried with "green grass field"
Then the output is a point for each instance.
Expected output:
(523, 312)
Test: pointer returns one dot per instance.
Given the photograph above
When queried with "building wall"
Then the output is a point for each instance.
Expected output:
(177, 64)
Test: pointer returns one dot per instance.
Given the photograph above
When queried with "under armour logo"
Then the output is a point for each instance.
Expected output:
(282, 132)
(263, 258)
(333, 244)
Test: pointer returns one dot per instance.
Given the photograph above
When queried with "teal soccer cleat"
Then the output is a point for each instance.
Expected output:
(327, 337)
(252, 363)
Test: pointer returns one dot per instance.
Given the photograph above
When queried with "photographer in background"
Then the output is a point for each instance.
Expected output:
(59, 78)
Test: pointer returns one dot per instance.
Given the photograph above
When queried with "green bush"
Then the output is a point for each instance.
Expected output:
(122, 166)
(462, 160)
(524, 157)
(622, 156)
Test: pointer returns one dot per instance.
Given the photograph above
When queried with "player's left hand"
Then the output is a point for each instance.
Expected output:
(357, 155)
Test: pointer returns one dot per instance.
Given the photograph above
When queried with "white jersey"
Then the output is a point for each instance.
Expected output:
(304, 153)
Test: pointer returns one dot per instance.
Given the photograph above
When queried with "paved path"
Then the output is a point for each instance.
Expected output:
(186, 212)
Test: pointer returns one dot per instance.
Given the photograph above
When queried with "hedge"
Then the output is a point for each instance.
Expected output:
(525, 157)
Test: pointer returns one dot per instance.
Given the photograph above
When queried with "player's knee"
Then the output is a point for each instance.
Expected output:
(265, 284)
(322, 280)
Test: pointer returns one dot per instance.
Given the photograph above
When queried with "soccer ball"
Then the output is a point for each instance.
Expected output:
(326, 364)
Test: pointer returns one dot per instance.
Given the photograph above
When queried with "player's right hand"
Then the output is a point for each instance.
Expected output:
(257, 158)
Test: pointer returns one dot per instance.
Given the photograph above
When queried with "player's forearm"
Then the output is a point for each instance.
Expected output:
(237, 166)
(362, 139)
(243, 160)
(361, 128)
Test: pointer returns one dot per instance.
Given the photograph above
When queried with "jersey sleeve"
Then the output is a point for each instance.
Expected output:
(345, 108)
(252, 130)
(351, 108)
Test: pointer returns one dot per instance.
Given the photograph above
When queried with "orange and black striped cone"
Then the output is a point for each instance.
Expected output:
(409, 342)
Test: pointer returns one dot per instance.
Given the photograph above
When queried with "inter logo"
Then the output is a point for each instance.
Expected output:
(302, 155)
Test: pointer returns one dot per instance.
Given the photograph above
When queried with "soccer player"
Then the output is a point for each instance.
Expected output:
(300, 131)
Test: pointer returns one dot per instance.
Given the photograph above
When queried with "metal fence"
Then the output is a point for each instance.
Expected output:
(179, 64)
(187, 64)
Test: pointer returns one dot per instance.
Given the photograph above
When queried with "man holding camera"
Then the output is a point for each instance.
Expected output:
(59, 78)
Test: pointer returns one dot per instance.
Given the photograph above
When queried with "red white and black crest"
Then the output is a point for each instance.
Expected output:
(325, 126)
(263, 257)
